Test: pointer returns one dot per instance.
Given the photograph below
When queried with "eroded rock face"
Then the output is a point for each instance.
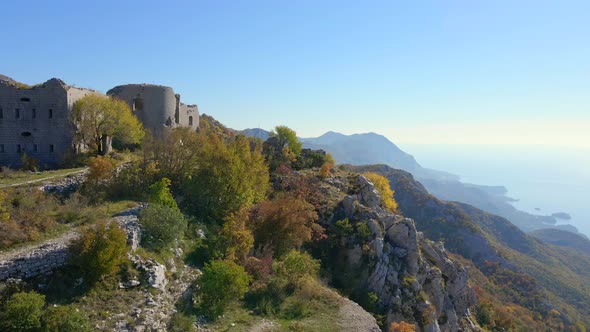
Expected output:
(369, 196)
(411, 276)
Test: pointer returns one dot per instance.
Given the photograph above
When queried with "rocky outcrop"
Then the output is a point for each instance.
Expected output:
(413, 278)
(154, 271)
(154, 309)
(129, 222)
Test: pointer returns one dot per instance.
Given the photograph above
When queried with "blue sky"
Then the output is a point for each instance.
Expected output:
(469, 72)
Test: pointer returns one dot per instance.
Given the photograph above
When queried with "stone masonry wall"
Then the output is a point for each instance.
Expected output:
(157, 106)
(35, 261)
(36, 121)
(43, 259)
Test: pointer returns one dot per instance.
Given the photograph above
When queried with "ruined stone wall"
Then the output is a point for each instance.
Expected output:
(157, 107)
(189, 116)
(53, 254)
(154, 105)
(34, 265)
(36, 121)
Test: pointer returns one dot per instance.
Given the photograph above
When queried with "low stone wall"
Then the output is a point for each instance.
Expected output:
(36, 261)
(30, 262)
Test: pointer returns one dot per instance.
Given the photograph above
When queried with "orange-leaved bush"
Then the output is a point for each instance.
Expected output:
(285, 223)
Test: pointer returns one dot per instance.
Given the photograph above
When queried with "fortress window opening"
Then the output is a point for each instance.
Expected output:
(51, 113)
(138, 104)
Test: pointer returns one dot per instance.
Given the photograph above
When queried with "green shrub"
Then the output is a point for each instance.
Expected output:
(23, 312)
(65, 318)
(100, 251)
(343, 228)
(296, 266)
(266, 298)
(132, 180)
(161, 226)
(181, 323)
(221, 283)
(363, 231)
(298, 308)
(159, 193)
(408, 281)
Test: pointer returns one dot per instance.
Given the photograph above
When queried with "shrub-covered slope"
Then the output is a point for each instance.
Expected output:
(550, 282)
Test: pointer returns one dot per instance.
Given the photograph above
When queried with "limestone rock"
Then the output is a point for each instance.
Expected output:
(349, 204)
(370, 197)
(410, 275)
(156, 274)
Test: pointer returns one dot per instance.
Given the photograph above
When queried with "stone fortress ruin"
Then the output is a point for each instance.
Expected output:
(157, 107)
(35, 120)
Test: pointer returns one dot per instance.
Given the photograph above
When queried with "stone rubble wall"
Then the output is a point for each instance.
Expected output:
(43, 259)
(38, 260)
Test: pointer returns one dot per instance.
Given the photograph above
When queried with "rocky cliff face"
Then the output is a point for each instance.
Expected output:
(414, 279)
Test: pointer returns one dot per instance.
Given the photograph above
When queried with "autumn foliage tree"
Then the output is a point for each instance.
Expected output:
(101, 250)
(382, 185)
(99, 119)
(327, 166)
(230, 175)
(235, 240)
(100, 168)
(177, 154)
(285, 223)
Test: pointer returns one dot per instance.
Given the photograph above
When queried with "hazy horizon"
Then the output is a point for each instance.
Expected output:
(543, 180)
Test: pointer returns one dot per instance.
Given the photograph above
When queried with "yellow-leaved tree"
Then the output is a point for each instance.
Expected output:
(99, 119)
(382, 185)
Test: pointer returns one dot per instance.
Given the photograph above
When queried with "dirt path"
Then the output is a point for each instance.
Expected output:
(42, 179)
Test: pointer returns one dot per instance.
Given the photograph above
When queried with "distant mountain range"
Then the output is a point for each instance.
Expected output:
(363, 149)
(373, 149)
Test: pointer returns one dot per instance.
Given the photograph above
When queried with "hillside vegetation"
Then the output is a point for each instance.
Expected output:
(219, 231)
(551, 283)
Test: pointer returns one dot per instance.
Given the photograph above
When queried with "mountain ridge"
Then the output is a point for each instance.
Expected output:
(372, 149)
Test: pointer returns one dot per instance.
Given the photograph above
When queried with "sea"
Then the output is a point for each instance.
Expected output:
(543, 179)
